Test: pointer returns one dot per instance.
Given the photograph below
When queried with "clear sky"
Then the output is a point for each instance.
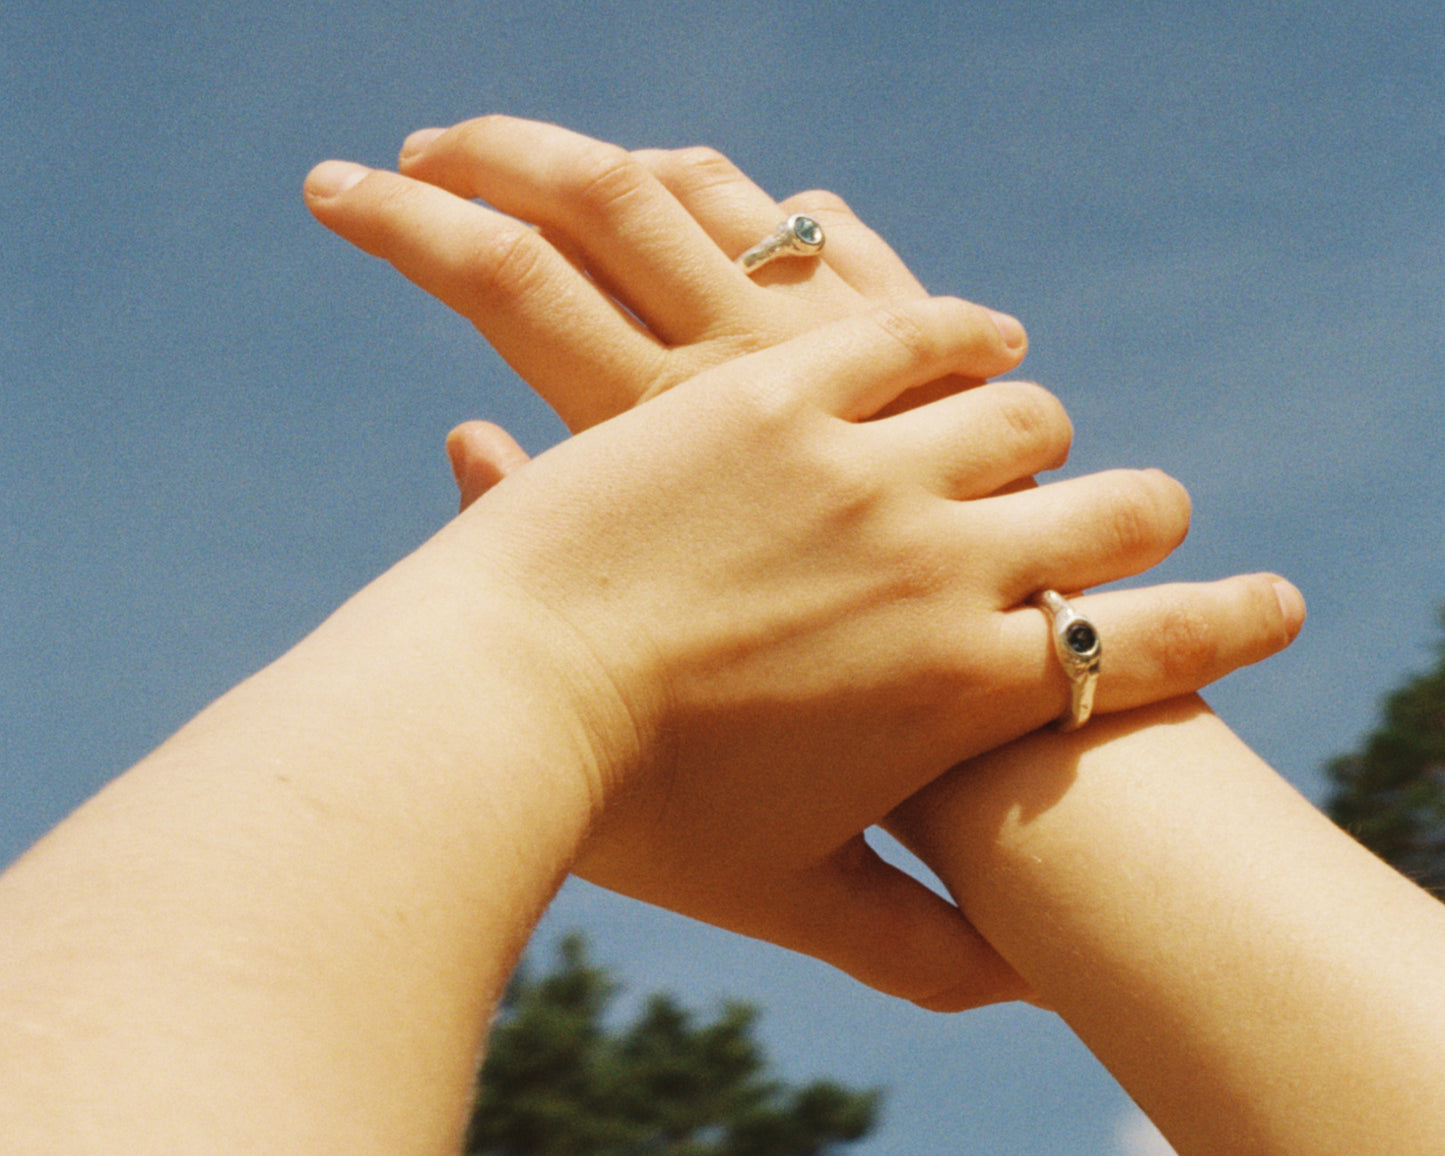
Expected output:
(1223, 224)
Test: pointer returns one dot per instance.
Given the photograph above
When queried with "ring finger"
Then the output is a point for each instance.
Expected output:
(1162, 641)
(735, 212)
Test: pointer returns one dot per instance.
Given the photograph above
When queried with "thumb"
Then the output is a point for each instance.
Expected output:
(482, 454)
(891, 932)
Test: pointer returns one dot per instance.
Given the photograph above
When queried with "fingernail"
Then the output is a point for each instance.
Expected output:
(1010, 329)
(332, 178)
(419, 140)
(1291, 605)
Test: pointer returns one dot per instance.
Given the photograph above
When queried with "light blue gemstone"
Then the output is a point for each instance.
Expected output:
(808, 231)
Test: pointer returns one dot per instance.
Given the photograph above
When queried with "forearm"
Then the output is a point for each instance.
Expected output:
(1258, 982)
(285, 930)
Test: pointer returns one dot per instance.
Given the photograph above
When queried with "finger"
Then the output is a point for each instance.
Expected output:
(889, 931)
(973, 444)
(871, 268)
(1179, 638)
(854, 367)
(502, 276)
(855, 252)
(868, 264)
(632, 234)
(1082, 532)
(720, 197)
(481, 454)
(735, 213)
(1162, 641)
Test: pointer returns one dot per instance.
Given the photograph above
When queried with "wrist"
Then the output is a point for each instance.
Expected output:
(580, 704)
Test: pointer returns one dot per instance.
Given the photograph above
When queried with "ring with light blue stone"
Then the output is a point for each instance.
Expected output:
(1080, 651)
(798, 236)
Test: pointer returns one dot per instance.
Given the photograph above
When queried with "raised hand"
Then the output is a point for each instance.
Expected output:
(608, 277)
(605, 276)
(799, 873)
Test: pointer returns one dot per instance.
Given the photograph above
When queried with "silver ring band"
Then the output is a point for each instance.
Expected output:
(798, 236)
(1080, 651)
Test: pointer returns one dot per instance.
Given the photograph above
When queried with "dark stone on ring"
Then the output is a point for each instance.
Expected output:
(1082, 638)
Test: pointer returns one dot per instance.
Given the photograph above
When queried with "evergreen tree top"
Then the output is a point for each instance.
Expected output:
(1390, 793)
(559, 1081)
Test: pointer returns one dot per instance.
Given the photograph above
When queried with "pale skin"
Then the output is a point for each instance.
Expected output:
(1256, 980)
(286, 929)
(660, 298)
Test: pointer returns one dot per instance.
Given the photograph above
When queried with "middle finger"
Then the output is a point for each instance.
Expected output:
(1081, 532)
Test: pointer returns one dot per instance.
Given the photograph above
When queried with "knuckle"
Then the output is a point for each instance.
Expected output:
(705, 163)
(1268, 610)
(851, 492)
(772, 407)
(1188, 645)
(391, 201)
(1035, 418)
(691, 172)
(507, 264)
(387, 210)
(822, 202)
(1132, 516)
(605, 176)
(478, 129)
(1147, 509)
(1175, 501)
(1260, 619)
(906, 329)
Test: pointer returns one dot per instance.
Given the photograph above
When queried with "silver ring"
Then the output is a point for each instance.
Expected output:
(1080, 651)
(798, 236)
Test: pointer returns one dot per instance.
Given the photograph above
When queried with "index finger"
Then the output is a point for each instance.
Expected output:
(505, 278)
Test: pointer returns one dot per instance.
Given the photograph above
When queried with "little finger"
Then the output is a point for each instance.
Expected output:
(853, 367)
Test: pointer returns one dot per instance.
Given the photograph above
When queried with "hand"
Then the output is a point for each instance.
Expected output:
(824, 646)
(659, 233)
(627, 285)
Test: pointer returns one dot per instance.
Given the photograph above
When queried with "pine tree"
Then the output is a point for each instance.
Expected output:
(1390, 794)
(559, 1081)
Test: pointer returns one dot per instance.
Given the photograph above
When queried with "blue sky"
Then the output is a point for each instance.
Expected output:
(1223, 224)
